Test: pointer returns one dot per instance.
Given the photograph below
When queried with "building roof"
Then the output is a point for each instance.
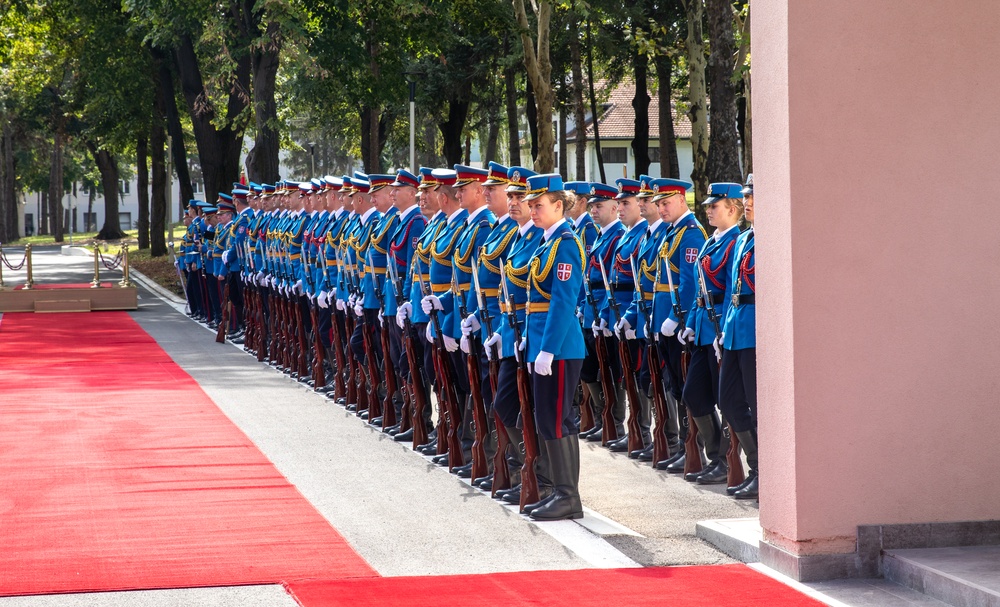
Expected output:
(618, 117)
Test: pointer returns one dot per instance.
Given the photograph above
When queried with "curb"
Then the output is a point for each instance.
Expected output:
(151, 285)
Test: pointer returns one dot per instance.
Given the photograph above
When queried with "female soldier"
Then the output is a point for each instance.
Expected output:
(554, 341)
(715, 261)
(506, 403)
(738, 381)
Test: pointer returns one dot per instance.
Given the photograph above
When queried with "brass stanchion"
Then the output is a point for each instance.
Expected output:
(2, 287)
(27, 254)
(96, 284)
(125, 282)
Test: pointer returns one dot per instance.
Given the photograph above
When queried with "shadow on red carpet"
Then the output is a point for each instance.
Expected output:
(118, 472)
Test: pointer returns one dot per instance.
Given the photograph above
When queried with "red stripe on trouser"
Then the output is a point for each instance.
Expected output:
(559, 398)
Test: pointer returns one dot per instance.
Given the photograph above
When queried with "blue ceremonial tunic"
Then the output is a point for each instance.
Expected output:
(716, 259)
(442, 252)
(620, 273)
(402, 247)
(421, 268)
(741, 319)
(516, 272)
(603, 252)
(680, 249)
(469, 243)
(556, 276)
(493, 253)
(646, 262)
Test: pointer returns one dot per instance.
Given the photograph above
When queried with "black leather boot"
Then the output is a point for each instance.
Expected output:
(564, 458)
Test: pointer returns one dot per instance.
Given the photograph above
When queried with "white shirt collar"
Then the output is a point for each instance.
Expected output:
(339, 213)
(477, 213)
(367, 214)
(579, 220)
(681, 218)
(410, 209)
(353, 214)
(313, 214)
(653, 226)
(552, 229)
(437, 215)
(611, 225)
(503, 219)
(639, 225)
(454, 216)
(523, 229)
(718, 235)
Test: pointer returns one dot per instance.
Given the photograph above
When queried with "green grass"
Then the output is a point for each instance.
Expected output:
(84, 238)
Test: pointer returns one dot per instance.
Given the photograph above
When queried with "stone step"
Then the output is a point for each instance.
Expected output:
(966, 576)
(737, 537)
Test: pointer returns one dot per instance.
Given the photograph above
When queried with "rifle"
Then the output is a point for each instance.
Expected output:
(335, 340)
(220, 334)
(480, 468)
(692, 454)
(352, 387)
(501, 475)
(529, 481)
(417, 383)
(180, 277)
(661, 446)
(406, 391)
(318, 374)
(631, 385)
(448, 439)
(735, 475)
(359, 375)
(377, 407)
(609, 431)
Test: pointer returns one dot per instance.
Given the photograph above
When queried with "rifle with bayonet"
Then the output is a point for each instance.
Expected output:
(335, 340)
(609, 431)
(364, 402)
(405, 390)
(318, 373)
(628, 370)
(661, 445)
(480, 467)
(418, 383)
(529, 480)
(735, 475)
(353, 394)
(227, 308)
(501, 475)
(448, 439)
(377, 407)
(180, 276)
(692, 453)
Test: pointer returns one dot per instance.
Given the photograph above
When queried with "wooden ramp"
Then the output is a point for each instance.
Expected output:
(51, 298)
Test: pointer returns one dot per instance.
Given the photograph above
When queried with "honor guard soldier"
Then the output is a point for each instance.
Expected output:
(553, 342)
(724, 207)
(738, 376)
(622, 284)
(234, 257)
(208, 262)
(604, 210)
(513, 298)
(192, 262)
(676, 290)
(634, 323)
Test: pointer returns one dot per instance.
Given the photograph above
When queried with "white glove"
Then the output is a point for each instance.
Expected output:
(333, 294)
(470, 325)
(518, 349)
(353, 299)
(722, 337)
(494, 340)
(718, 348)
(429, 333)
(323, 300)
(341, 306)
(381, 320)
(624, 330)
(464, 343)
(298, 287)
(177, 264)
(686, 336)
(543, 363)
(311, 297)
(225, 257)
(359, 310)
(668, 327)
(402, 313)
(430, 302)
(597, 327)
(450, 344)
(579, 314)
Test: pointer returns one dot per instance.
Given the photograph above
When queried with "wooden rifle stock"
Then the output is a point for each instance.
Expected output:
(220, 334)
(456, 458)
(609, 430)
(417, 387)
(374, 404)
(529, 480)
(586, 415)
(501, 475)
(388, 407)
(632, 392)
(318, 373)
(336, 344)
(692, 452)
(661, 446)
(733, 461)
(302, 367)
(480, 467)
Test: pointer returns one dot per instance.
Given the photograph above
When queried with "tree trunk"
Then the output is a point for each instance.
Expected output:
(264, 168)
(595, 112)
(579, 111)
(108, 166)
(531, 114)
(452, 130)
(218, 148)
(468, 150)
(142, 175)
(562, 142)
(158, 211)
(746, 115)
(56, 187)
(8, 195)
(492, 134)
(43, 225)
(724, 145)
(174, 128)
(91, 197)
(669, 163)
(640, 103)
(539, 66)
(697, 100)
(513, 130)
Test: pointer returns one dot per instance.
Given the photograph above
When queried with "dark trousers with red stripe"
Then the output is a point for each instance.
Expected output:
(701, 391)
(738, 388)
(507, 402)
(553, 395)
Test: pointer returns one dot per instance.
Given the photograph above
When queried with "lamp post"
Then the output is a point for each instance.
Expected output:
(312, 159)
(411, 79)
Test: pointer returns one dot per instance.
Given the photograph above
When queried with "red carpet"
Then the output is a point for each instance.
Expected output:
(118, 472)
(713, 585)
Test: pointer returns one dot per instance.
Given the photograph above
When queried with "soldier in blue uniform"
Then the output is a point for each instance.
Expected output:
(623, 290)
(714, 266)
(554, 342)
(207, 253)
(675, 292)
(738, 377)
(234, 257)
(604, 211)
